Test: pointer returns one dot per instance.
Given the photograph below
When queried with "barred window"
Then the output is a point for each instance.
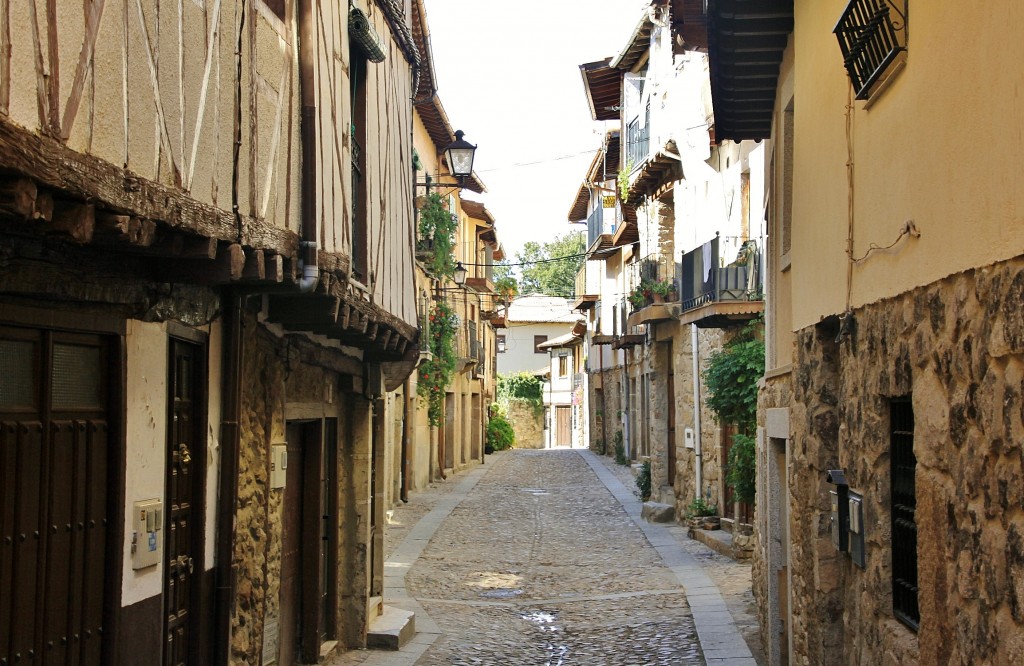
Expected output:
(903, 505)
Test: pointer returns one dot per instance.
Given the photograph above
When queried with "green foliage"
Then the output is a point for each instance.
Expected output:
(521, 386)
(620, 449)
(437, 232)
(742, 473)
(731, 377)
(699, 507)
(622, 180)
(437, 373)
(638, 297)
(643, 481)
(506, 287)
(556, 278)
(500, 435)
(598, 446)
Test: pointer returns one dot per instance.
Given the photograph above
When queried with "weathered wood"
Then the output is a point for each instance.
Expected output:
(85, 177)
(44, 206)
(229, 264)
(18, 197)
(304, 310)
(403, 344)
(386, 339)
(126, 229)
(346, 316)
(75, 220)
(255, 265)
(273, 266)
(393, 344)
(85, 62)
(371, 331)
(199, 248)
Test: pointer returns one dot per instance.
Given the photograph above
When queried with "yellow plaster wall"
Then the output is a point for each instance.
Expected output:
(941, 146)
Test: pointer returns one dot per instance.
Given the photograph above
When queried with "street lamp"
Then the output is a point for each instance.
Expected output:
(460, 154)
(460, 272)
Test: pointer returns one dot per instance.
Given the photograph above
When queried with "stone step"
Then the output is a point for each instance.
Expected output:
(655, 512)
(374, 607)
(391, 629)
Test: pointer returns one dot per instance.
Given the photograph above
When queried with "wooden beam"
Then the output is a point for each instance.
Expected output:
(85, 177)
(273, 265)
(395, 339)
(74, 220)
(402, 346)
(18, 197)
(346, 315)
(371, 332)
(386, 338)
(44, 206)
(229, 263)
(199, 248)
(125, 229)
(304, 310)
(255, 265)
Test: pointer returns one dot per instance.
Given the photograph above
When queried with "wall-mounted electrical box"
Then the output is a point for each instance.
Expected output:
(688, 438)
(278, 465)
(839, 519)
(856, 511)
(147, 533)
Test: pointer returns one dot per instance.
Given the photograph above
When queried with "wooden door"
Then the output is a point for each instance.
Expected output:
(563, 426)
(449, 431)
(309, 546)
(184, 502)
(55, 456)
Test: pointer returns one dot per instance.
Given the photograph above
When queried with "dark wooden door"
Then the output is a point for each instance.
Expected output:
(449, 431)
(309, 545)
(563, 426)
(55, 456)
(184, 502)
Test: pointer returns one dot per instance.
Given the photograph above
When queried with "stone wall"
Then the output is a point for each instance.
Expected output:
(956, 346)
(527, 423)
(606, 418)
(257, 530)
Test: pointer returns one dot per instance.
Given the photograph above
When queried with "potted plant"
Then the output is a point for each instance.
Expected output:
(659, 290)
(702, 515)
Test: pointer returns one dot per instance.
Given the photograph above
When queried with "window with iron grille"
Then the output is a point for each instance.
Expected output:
(903, 505)
(871, 34)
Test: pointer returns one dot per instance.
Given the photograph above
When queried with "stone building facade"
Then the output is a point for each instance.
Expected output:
(890, 416)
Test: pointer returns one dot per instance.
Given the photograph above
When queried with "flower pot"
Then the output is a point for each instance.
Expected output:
(657, 299)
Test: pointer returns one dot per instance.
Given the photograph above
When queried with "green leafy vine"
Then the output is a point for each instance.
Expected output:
(436, 373)
(437, 235)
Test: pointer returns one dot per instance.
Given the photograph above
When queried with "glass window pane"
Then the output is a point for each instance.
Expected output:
(77, 377)
(17, 378)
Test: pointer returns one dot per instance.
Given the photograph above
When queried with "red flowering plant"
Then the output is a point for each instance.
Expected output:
(436, 374)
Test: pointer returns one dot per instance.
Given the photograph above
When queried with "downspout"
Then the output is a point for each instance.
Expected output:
(307, 55)
(695, 347)
(230, 445)
(604, 402)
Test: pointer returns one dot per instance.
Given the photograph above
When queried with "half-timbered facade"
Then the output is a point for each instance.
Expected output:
(206, 304)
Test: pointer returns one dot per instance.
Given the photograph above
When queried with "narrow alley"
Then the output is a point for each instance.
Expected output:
(541, 557)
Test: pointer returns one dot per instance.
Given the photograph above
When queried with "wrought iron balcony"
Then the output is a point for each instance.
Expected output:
(638, 139)
(716, 296)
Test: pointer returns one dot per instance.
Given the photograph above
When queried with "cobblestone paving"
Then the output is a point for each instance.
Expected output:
(540, 565)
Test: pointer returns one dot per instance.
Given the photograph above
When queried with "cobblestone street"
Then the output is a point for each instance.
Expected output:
(536, 559)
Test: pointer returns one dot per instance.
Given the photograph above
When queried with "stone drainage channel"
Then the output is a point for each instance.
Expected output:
(528, 561)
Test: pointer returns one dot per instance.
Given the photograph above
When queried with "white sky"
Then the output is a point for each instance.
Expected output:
(508, 76)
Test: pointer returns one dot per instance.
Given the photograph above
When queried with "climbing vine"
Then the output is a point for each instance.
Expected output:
(436, 373)
(437, 235)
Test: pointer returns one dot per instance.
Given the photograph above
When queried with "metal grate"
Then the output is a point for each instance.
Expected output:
(17, 367)
(904, 504)
(77, 377)
(870, 38)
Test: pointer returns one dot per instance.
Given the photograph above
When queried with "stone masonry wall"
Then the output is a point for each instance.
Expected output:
(606, 419)
(257, 531)
(958, 347)
(527, 424)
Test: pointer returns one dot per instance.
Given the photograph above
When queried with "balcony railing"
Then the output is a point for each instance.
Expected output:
(702, 280)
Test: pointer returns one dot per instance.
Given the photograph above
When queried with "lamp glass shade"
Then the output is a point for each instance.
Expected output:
(460, 156)
(459, 275)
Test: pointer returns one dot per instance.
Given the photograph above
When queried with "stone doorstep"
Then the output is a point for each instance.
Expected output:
(391, 629)
(719, 541)
(655, 512)
(374, 607)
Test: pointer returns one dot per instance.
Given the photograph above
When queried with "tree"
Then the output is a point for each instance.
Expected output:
(555, 278)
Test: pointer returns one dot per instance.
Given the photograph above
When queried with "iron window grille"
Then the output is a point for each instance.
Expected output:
(903, 504)
(871, 34)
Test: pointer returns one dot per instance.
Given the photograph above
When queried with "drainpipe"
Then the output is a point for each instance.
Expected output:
(230, 445)
(604, 401)
(307, 57)
(695, 348)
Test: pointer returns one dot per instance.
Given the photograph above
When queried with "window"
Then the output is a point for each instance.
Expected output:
(872, 35)
(563, 366)
(538, 340)
(501, 344)
(903, 505)
(360, 211)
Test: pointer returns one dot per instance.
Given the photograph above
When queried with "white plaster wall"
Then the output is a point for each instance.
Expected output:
(146, 432)
(519, 355)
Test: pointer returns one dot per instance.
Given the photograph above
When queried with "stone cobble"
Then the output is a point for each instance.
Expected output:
(540, 564)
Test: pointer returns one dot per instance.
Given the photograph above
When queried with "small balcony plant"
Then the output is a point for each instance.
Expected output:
(436, 243)
(639, 297)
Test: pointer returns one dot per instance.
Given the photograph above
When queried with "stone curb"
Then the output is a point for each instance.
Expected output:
(720, 640)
